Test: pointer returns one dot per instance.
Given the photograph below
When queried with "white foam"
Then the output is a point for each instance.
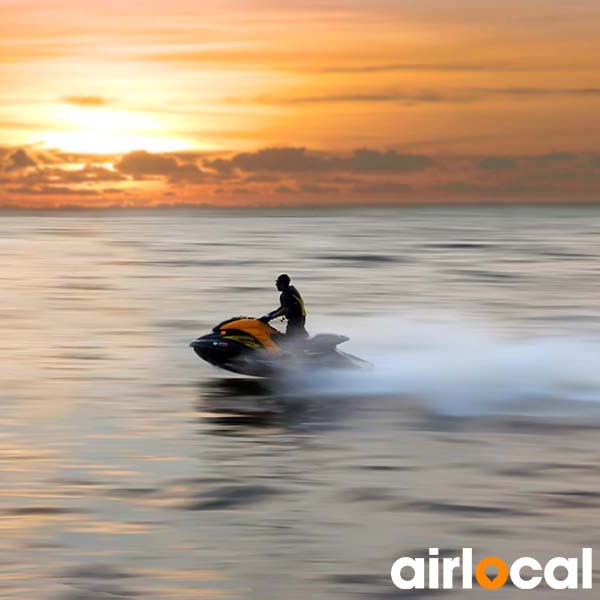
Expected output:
(463, 367)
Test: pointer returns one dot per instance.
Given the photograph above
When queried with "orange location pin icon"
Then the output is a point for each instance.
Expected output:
(494, 583)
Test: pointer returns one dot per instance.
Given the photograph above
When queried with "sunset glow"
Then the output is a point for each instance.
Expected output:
(107, 131)
(501, 100)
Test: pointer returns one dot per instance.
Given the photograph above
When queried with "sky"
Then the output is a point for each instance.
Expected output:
(267, 103)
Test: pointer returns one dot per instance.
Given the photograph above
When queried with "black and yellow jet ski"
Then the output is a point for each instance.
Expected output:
(250, 347)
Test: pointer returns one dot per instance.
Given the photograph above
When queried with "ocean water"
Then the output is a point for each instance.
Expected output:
(131, 469)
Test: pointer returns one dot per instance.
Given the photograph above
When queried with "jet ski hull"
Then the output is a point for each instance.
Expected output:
(228, 355)
(249, 347)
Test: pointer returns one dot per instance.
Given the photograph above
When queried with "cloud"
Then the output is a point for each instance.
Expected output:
(87, 174)
(594, 161)
(312, 188)
(435, 67)
(365, 160)
(90, 101)
(410, 97)
(18, 160)
(237, 54)
(497, 163)
(294, 172)
(188, 173)
(223, 166)
(308, 189)
(259, 178)
(382, 187)
(258, 57)
(283, 160)
(141, 164)
(529, 91)
(492, 191)
(286, 189)
(555, 157)
(52, 191)
(424, 96)
(301, 160)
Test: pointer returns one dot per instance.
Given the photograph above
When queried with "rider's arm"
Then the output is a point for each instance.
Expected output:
(281, 311)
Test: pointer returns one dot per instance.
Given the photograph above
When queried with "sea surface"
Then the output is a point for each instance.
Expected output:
(131, 469)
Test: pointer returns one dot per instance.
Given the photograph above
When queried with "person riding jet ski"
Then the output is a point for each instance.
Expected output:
(250, 346)
(291, 307)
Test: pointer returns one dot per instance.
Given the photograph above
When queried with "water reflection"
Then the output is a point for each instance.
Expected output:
(230, 414)
(130, 469)
(236, 406)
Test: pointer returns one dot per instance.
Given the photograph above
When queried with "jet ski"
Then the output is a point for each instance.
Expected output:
(248, 346)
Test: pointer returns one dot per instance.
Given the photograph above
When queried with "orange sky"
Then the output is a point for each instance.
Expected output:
(274, 102)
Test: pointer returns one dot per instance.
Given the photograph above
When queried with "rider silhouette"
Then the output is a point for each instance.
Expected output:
(291, 307)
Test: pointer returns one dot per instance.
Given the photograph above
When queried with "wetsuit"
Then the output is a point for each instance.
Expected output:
(294, 311)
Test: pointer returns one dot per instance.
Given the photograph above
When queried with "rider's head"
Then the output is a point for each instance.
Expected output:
(283, 282)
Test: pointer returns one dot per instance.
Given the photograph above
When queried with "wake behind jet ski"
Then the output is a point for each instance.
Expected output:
(250, 346)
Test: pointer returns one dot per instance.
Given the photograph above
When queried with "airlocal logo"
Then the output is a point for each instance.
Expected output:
(525, 573)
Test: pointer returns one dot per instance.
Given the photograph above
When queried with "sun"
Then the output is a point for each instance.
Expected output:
(105, 130)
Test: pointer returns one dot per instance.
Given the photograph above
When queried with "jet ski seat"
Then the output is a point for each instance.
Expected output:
(322, 342)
